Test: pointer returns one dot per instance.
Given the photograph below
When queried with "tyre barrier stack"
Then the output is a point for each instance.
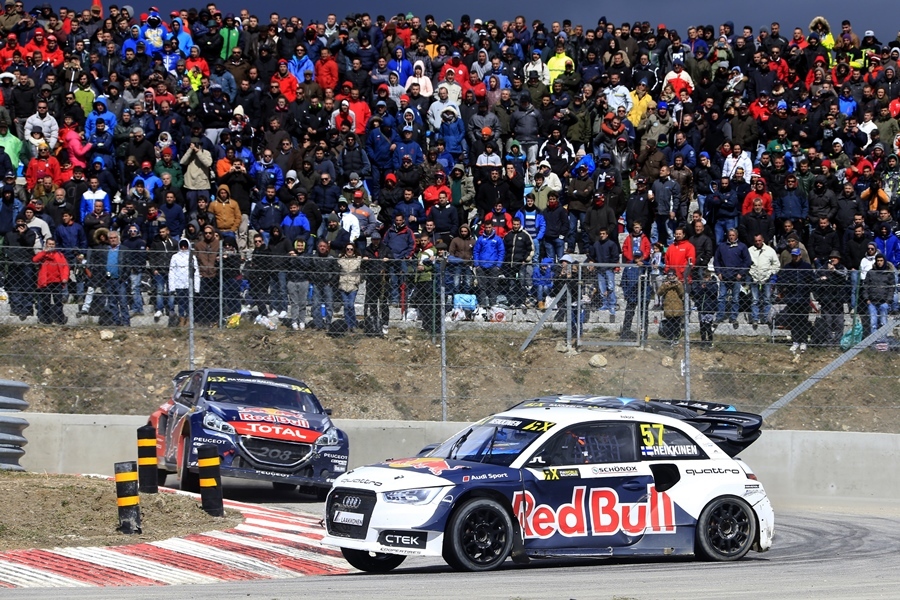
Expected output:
(12, 441)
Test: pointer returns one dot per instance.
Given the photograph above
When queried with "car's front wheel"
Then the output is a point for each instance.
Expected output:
(372, 562)
(726, 529)
(479, 537)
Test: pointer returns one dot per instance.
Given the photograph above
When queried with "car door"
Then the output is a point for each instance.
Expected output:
(586, 488)
(184, 401)
(669, 452)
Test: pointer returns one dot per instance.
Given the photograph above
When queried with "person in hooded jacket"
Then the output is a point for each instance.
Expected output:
(726, 206)
(822, 201)
(182, 269)
(878, 291)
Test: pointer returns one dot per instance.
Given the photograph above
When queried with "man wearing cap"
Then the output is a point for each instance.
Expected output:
(795, 281)
(147, 177)
(19, 247)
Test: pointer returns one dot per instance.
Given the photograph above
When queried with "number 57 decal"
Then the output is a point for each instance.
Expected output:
(652, 435)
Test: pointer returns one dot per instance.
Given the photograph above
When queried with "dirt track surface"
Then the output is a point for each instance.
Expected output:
(48, 511)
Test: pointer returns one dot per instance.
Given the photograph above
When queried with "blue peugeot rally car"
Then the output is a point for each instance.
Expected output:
(267, 427)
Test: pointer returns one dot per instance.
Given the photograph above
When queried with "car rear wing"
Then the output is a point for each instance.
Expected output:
(730, 430)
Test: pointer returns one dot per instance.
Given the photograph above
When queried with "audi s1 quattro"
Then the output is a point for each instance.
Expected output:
(562, 476)
(266, 427)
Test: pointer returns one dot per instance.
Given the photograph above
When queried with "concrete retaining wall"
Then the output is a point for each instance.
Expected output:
(797, 467)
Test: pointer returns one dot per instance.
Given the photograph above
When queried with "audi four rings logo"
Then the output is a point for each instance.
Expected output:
(351, 502)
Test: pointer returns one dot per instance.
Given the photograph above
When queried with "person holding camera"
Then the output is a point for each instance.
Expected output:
(19, 248)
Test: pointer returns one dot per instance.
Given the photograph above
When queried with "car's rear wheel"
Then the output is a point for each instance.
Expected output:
(161, 476)
(372, 562)
(281, 486)
(726, 529)
(190, 482)
(479, 537)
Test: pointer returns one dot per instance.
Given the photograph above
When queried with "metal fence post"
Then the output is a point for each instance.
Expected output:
(687, 334)
(221, 285)
(441, 269)
(191, 259)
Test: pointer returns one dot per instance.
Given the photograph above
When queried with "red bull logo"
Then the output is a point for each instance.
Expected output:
(598, 509)
(435, 466)
(272, 415)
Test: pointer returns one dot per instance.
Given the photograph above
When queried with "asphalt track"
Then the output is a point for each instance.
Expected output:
(838, 553)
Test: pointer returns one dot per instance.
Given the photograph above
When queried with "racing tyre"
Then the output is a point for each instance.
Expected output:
(281, 486)
(726, 529)
(479, 536)
(161, 476)
(372, 562)
(190, 482)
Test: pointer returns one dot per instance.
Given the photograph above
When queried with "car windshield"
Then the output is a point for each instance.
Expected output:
(264, 394)
(497, 442)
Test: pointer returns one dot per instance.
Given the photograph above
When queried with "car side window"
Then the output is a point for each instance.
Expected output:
(661, 442)
(591, 443)
(195, 385)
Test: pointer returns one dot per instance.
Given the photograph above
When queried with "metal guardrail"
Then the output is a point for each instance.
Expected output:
(12, 442)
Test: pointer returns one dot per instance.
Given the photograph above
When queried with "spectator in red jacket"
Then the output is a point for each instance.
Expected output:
(52, 276)
(636, 244)
(326, 70)
(679, 254)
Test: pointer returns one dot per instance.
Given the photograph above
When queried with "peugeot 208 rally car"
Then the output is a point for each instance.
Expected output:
(265, 426)
(562, 477)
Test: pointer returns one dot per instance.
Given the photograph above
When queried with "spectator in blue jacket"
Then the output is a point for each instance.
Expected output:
(295, 226)
(408, 147)
(146, 174)
(402, 243)
(488, 257)
(267, 213)
(790, 203)
(732, 263)
(379, 140)
(70, 236)
(726, 206)
(411, 209)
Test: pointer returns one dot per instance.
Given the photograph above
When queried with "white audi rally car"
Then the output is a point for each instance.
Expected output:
(562, 476)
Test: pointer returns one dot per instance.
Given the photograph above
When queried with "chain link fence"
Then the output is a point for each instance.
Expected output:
(455, 328)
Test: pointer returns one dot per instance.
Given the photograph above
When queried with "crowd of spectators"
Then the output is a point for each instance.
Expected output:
(295, 155)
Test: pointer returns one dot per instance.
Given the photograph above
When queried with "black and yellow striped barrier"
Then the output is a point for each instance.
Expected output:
(208, 461)
(127, 497)
(148, 478)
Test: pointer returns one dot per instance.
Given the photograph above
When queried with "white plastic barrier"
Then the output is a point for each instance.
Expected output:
(797, 467)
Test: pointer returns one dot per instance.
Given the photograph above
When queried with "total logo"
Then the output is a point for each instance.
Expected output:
(280, 432)
(597, 508)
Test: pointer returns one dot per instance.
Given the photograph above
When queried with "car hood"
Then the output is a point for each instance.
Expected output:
(276, 423)
(407, 473)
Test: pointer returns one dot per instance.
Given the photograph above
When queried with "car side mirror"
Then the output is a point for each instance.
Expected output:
(328, 411)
